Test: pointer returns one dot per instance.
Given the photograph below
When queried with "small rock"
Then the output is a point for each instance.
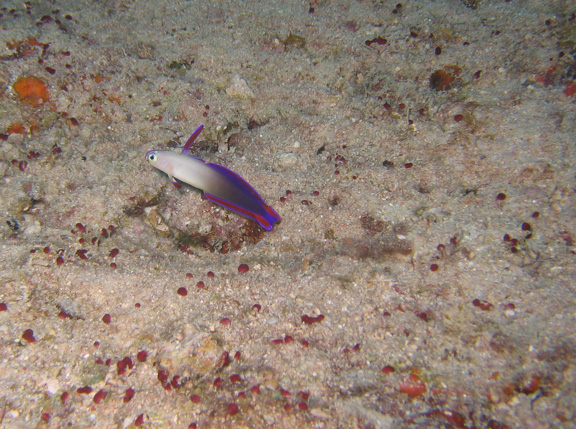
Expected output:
(33, 227)
(238, 88)
(287, 160)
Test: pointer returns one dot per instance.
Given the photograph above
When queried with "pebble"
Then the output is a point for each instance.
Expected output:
(238, 88)
(287, 160)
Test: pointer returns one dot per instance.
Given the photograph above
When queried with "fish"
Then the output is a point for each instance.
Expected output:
(218, 184)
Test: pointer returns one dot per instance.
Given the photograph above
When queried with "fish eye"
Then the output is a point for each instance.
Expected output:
(152, 157)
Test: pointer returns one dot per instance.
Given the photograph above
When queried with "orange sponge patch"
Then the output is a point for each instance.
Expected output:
(32, 91)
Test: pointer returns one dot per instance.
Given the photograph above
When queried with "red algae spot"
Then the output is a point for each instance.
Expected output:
(99, 396)
(189, 275)
(303, 406)
(182, 291)
(3, 306)
(445, 79)
(175, 383)
(243, 268)
(413, 386)
(128, 362)
(304, 395)
(139, 420)
(200, 285)
(129, 394)
(287, 407)
(500, 197)
(223, 360)
(81, 253)
(255, 389)
(195, 399)
(45, 417)
(141, 356)
(310, 320)
(285, 393)
(388, 369)
(64, 315)
(225, 321)
(377, 40)
(278, 341)
(235, 378)
(257, 307)
(107, 318)
(210, 274)
(237, 356)
(163, 375)
(28, 335)
(408, 165)
(570, 89)
(434, 267)
(483, 305)
(59, 261)
(532, 386)
(218, 382)
(114, 253)
(458, 118)
(31, 91)
(64, 397)
(304, 343)
(233, 409)
(84, 390)
(288, 339)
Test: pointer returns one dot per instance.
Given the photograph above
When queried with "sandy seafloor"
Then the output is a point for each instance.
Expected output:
(289, 93)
